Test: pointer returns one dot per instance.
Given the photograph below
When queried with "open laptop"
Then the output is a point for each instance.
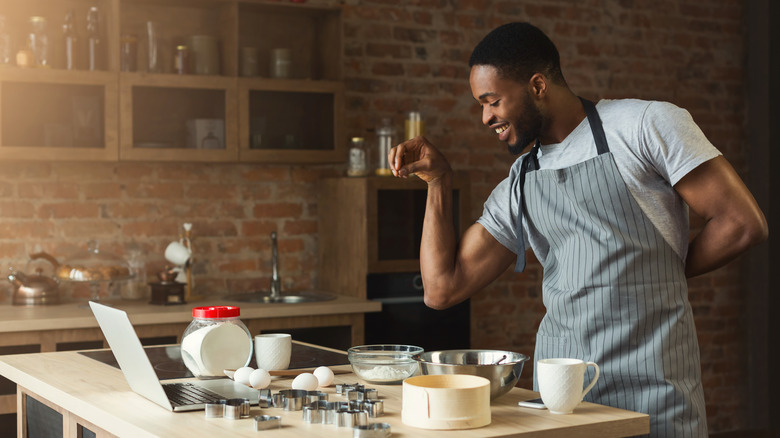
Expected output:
(139, 372)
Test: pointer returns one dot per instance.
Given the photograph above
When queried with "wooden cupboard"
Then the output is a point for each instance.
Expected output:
(152, 112)
(373, 226)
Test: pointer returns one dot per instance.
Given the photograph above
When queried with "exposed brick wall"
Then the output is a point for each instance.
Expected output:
(400, 56)
(690, 53)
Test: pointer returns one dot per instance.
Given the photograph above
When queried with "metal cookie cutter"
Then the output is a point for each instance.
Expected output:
(342, 388)
(265, 422)
(373, 430)
(352, 418)
(362, 394)
(290, 399)
(315, 396)
(215, 409)
(312, 415)
(265, 400)
(330, 411)
(375, 408)
(236, 408)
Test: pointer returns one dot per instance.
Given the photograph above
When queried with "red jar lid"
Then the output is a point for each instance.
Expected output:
(216, 312)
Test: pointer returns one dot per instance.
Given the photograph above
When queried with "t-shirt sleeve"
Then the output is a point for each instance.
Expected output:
(673, 142)
(501, 212)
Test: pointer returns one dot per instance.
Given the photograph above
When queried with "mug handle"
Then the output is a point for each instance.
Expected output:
(592, 382)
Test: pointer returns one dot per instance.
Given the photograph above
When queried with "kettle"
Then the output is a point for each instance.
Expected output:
(35, 289)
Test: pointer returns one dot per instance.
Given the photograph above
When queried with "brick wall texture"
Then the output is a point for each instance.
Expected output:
(412, 55)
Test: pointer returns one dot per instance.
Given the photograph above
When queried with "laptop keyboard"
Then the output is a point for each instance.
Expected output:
(185, 394)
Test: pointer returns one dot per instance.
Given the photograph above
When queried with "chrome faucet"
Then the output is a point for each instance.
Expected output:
(276, 282)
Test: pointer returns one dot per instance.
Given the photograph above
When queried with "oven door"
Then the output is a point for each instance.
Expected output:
(405, 319)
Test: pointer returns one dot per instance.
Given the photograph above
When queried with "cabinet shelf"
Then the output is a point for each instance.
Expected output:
(157, 108)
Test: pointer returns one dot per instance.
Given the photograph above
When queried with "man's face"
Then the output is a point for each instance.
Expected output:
(507, 107)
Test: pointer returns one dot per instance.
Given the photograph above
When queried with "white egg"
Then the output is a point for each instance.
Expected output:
(324, 375)
(259, 379)
(242, 375)
(305, 381)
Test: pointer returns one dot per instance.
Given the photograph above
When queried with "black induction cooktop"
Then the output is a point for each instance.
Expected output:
(168, 364)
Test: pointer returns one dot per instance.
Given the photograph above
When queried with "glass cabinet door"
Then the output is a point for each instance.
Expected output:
(291, 121)
(178, 118)
(54, 114)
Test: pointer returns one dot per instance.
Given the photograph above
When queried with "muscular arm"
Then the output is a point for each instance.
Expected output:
(733, 220)
(451, 271)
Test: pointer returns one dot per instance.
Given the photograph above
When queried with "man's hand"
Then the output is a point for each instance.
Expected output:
(418, 156)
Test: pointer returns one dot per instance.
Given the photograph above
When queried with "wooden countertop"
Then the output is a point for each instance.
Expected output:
(99, 394)
(77, 314)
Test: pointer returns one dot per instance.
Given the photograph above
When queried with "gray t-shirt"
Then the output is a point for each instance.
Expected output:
(654, 145)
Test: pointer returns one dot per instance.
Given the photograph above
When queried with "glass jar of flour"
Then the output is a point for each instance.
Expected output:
(216, 340)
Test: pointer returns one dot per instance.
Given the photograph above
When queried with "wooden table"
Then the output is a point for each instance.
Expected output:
(96, 396)
(69, 326)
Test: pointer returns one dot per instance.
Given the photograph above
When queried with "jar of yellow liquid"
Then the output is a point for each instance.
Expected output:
(385, 136)
(414, 125)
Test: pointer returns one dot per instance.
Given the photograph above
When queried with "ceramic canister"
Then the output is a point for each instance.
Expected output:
(204, 55)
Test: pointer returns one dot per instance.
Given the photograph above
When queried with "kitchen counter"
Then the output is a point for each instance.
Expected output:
(69, 326)
(97, 396)
(77, 314)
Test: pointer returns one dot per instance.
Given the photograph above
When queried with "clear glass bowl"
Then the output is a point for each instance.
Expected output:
(384, 364)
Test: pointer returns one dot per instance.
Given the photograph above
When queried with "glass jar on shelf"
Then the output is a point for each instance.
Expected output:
(95, 49)
(128, 52)
(358, 157)
(69, 47)
(5, 43)
(39, 41)
(415, 126)
(385, 135)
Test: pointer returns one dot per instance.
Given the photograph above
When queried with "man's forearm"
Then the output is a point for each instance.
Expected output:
(438, 245)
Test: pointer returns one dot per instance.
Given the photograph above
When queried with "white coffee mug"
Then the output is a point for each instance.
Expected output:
(272, 351)
(560, 383)
(177, 253)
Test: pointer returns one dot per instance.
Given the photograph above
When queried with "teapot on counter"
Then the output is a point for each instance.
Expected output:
(35, 289)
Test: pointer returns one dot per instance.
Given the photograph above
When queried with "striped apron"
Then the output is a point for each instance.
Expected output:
(614, 290)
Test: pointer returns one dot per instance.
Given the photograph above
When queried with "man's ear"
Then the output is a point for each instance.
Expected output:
(537, 85)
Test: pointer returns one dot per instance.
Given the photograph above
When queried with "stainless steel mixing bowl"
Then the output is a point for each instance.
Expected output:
(502, 368)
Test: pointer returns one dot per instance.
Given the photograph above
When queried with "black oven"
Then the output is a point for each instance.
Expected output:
(405, 319)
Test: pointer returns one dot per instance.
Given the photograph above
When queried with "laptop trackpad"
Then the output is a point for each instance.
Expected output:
(230, 389)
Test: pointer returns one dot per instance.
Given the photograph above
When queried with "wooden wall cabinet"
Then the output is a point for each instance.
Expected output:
(150, 113)
(373, 225)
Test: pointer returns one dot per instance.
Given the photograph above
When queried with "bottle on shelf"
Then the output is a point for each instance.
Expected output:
(39, 41)
(70, 46)
(5, 43)
(128, 52)
(385, 135)
(181, 61)
(94, 40)
(358, 157)
(415, 126)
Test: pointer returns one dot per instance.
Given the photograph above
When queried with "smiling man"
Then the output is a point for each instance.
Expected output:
(602, 199)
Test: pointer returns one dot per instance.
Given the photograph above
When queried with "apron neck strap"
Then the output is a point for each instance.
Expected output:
(595, 126)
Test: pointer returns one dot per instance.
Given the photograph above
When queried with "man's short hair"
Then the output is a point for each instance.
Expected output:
(518, 51)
